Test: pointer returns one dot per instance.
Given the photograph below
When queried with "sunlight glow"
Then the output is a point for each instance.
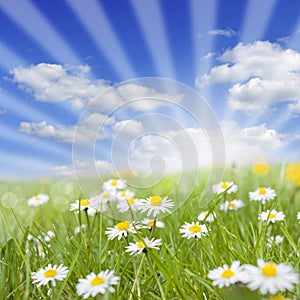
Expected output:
(29, 19)
(11, 59)
(261, 12)
(95, 21)
(151, 22)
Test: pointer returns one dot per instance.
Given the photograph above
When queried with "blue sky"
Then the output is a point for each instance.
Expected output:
(242, 57)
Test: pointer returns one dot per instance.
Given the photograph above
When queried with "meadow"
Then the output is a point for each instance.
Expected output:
(166, 256)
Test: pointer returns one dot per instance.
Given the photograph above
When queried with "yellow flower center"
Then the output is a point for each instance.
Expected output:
(114, 182)
(150, 223)
(269, 270)
(272, 216)
(227, 274)
(123, 225)
(224, 185)
(37, 198)
(155, 200)
(231, 204)
(130, 200)
(84, 202)
(195, 228)
(277, 298)
(262, 191)
(260, 169)
(97, 280)
(50, 273)
(105, 196)
(140, 245)
(123, 194)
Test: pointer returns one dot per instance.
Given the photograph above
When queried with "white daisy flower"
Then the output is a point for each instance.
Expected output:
(274, 240)
(140, 246)
(125, 205)
(262, 194)
(156, 204)
(92, 205)
(232, 205)
(227, 186)
(107, 196)
(271, 216)
(149, 223)
(80, 228)
(41, 250)
(124, 195)
(94, 284)
(119, 230)
(50, 273)
(225, 276)
(193, 230)
(207, 216)
(38, 200)
(48, 236)
(298, 216)
(270, 278)
(114, 184)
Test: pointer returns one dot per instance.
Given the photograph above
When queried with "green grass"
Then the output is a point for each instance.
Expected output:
(177, 271)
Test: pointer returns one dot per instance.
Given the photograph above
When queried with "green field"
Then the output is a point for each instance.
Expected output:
(177, 271)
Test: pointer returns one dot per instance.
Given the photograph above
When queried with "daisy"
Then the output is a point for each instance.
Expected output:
(50, 273)
(194, 230)
(125, 205)
(278, 297)
(149, 223)
(38, 200)
(107, 196)
(140, 246)
(262, 194)
(260, 169)
(227, 186)
(207, 216)
(48, 236)
(274, 240)
(114, 184)
(41, 250)
(124, 195)
(269, 277)
(91, 206)
(119, 230)
(298, 216)
(156, 204)
(271, 216)
(225, 276)
(232, 205)
(80, 228)
(94, 284)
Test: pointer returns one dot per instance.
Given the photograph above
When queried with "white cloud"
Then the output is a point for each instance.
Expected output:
(192, 148)
(137, 97)
(83, 168)
(56, 83)
(262, 74)
(129, 127)
(223, 32)
(85, 131)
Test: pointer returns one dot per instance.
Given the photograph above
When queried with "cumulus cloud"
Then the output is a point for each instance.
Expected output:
(192, 148)
(82, 168)
(129, 127)
(134, 96)
(86, 130)
(56, 83)
(261, 73)
(222, 32)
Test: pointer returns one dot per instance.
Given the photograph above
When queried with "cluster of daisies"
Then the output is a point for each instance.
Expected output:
(115, 192)
(267, 277)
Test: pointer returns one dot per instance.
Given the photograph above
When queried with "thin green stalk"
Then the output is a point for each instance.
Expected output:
(156, 277)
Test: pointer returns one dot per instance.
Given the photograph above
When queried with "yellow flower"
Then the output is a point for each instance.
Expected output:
(260, 169)
(293, 173)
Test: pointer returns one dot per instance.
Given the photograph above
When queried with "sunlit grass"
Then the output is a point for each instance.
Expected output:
(177, 271)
